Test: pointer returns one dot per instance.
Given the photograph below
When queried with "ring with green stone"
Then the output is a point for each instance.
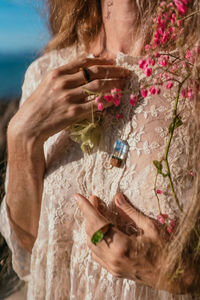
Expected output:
(99, 234)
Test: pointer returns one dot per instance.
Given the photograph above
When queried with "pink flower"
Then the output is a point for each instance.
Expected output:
(159, 192)
(173, 17)
(190, 94)
(183, 93)
(188, 54)
(147, 47)
(166, 75)
(144, 93)
(192, 173)
(100, 106)
(169, 85)
(179, 22)
(171, 226)
(116, 100)
(108, 97)
(119, 116)
(163, 3)
(158, 91)
(116, 91)
(141, 63)
(164, 37)
(162, 61)
(157, 54)
(162, 218)
(133, 99)
(97, 99)
(148, 72)
(181, 6)
(116, 96)
(152, 90)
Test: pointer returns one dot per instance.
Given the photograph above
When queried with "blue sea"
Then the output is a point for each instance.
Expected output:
(12, 70)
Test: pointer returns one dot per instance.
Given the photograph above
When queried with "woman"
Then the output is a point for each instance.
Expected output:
(46, 169)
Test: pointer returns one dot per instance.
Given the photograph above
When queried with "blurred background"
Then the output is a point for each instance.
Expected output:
(23, 36)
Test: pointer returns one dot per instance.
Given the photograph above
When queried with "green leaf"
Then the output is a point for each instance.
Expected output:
(175, 124)
(164, 175)
(178, 122)
(158, 166)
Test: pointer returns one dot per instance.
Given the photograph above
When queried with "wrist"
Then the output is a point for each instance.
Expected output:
(22, 143)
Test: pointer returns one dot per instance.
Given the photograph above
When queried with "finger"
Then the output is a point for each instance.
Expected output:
(141, 221)
(107, 71)
(75, 66)
(85, 109)
(95, 86)
(94, 200)
(94, 220)
(95, 72)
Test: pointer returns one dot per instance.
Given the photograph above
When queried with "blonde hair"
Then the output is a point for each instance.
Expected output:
(74, 22)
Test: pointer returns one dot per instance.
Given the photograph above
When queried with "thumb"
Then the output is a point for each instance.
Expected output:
(132, 213)
(94, 200)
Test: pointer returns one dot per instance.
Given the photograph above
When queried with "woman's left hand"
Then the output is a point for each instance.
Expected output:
(138, 257)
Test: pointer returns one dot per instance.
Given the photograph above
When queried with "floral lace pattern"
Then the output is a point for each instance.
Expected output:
(61, 265)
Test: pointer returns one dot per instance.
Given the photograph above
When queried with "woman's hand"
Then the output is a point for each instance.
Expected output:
(61, 99)
(138, 257)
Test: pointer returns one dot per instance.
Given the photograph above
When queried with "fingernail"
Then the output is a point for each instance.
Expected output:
(120, 199)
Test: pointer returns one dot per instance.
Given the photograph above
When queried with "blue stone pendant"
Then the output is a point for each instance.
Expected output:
(119, 154)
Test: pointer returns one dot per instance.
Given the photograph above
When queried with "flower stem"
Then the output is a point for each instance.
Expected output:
(192, 14)
(155, 184)
(169, 144)
(168, 147)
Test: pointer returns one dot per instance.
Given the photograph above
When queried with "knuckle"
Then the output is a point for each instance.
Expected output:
(120, 251)
(98, 84)
(87, 60)
(67, 96)
(114, 262)
(75, 111)
(54, 74)
(63, 84)
(96, 69)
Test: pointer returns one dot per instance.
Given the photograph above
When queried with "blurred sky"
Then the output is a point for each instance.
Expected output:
(21, 26)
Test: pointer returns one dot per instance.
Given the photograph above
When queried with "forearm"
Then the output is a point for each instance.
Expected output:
(25, 185)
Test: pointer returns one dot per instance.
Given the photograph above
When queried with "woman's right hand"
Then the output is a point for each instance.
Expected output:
(61, 99)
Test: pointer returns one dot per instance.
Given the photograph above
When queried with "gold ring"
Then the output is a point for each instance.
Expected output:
(86, 74)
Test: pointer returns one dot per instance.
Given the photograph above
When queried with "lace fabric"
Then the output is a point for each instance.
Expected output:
(61, 267)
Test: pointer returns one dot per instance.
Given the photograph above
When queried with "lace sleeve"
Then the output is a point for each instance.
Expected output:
(20, 257)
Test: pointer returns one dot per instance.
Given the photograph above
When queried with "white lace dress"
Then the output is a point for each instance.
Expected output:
(60, 267)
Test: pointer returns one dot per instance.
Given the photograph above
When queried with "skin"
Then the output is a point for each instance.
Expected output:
(138, 257)
(119, 21)
(58, 101)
